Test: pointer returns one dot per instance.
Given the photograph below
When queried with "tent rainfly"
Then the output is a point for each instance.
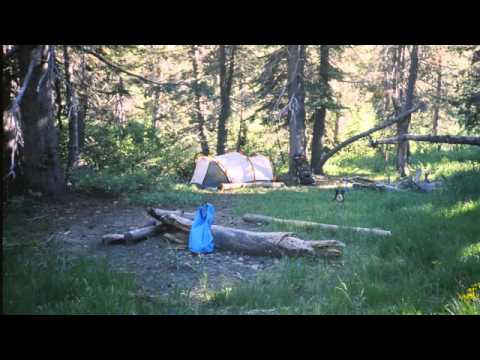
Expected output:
(231, 168)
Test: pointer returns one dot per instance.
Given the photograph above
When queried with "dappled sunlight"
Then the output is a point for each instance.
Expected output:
(462, 208)
(241, 127)
(471, 252)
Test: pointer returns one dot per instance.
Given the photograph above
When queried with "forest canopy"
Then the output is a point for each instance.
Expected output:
(153, 108)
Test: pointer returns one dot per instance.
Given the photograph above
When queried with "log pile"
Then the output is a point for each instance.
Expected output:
(174, 226)
(405, 184)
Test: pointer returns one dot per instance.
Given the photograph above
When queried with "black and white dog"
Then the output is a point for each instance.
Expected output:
(339, 195)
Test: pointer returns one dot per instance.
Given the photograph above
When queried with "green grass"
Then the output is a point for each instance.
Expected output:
(432, 258)
(38, 279)
(139, 187)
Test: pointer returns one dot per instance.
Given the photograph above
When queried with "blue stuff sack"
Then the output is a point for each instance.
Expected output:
(200, 240)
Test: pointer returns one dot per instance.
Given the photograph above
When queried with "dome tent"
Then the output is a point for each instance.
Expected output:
(232, 167)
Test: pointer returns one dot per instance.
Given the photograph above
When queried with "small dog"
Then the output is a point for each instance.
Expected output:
(339, 195)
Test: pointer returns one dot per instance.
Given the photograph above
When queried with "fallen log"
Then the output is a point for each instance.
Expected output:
(256, 243)
(229, 186)
(113, 239)
(376, 186)
(155, 212)
(255, 218)
(442, 139)
(134, 235)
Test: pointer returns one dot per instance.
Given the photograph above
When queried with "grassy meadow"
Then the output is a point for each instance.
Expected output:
(430, 264)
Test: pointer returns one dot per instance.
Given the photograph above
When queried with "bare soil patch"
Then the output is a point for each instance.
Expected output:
(79, 221)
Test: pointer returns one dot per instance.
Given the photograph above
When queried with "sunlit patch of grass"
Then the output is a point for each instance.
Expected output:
(462, 207)
(471, 252)
(415, 271)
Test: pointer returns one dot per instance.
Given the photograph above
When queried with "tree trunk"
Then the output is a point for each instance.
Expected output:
(441, 139)
(336, 132)
(58, 102)
(317, 146)
(438, 95)
(296, 108)
(83, 103)
(82, 114)
(321, 112)
(402, 127)
(198, 110)
(226, 78)
(73, 108)
(41, 161)
(242, 131)
(156, 96)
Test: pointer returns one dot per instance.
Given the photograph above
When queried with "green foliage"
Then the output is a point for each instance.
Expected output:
(137, 146)
(139, 187)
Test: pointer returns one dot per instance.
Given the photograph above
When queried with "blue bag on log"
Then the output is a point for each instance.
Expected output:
(200, 240)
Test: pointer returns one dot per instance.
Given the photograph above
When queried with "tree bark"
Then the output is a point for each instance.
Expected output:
(402, 127)
(73, 108)
(438, 95)
(258, 243)
(336, 132)
(320, 113)
(441, 139)
(296, 107)
(255, 218)
(41, 160)
(243, 129)
(82, 114)
(198, 110)
(227, 64)
(387, 123)
(317, 145)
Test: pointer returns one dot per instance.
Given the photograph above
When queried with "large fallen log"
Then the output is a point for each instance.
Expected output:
(256, 243)
(442, 139)
(256, 218)
(228, 186)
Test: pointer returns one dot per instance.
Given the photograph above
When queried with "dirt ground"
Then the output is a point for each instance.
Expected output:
(80, 221)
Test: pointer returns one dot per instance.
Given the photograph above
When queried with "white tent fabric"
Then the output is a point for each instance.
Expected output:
(237, 167)
(201, 168)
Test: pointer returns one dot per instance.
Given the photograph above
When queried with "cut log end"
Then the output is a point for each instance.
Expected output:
(113, 239)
